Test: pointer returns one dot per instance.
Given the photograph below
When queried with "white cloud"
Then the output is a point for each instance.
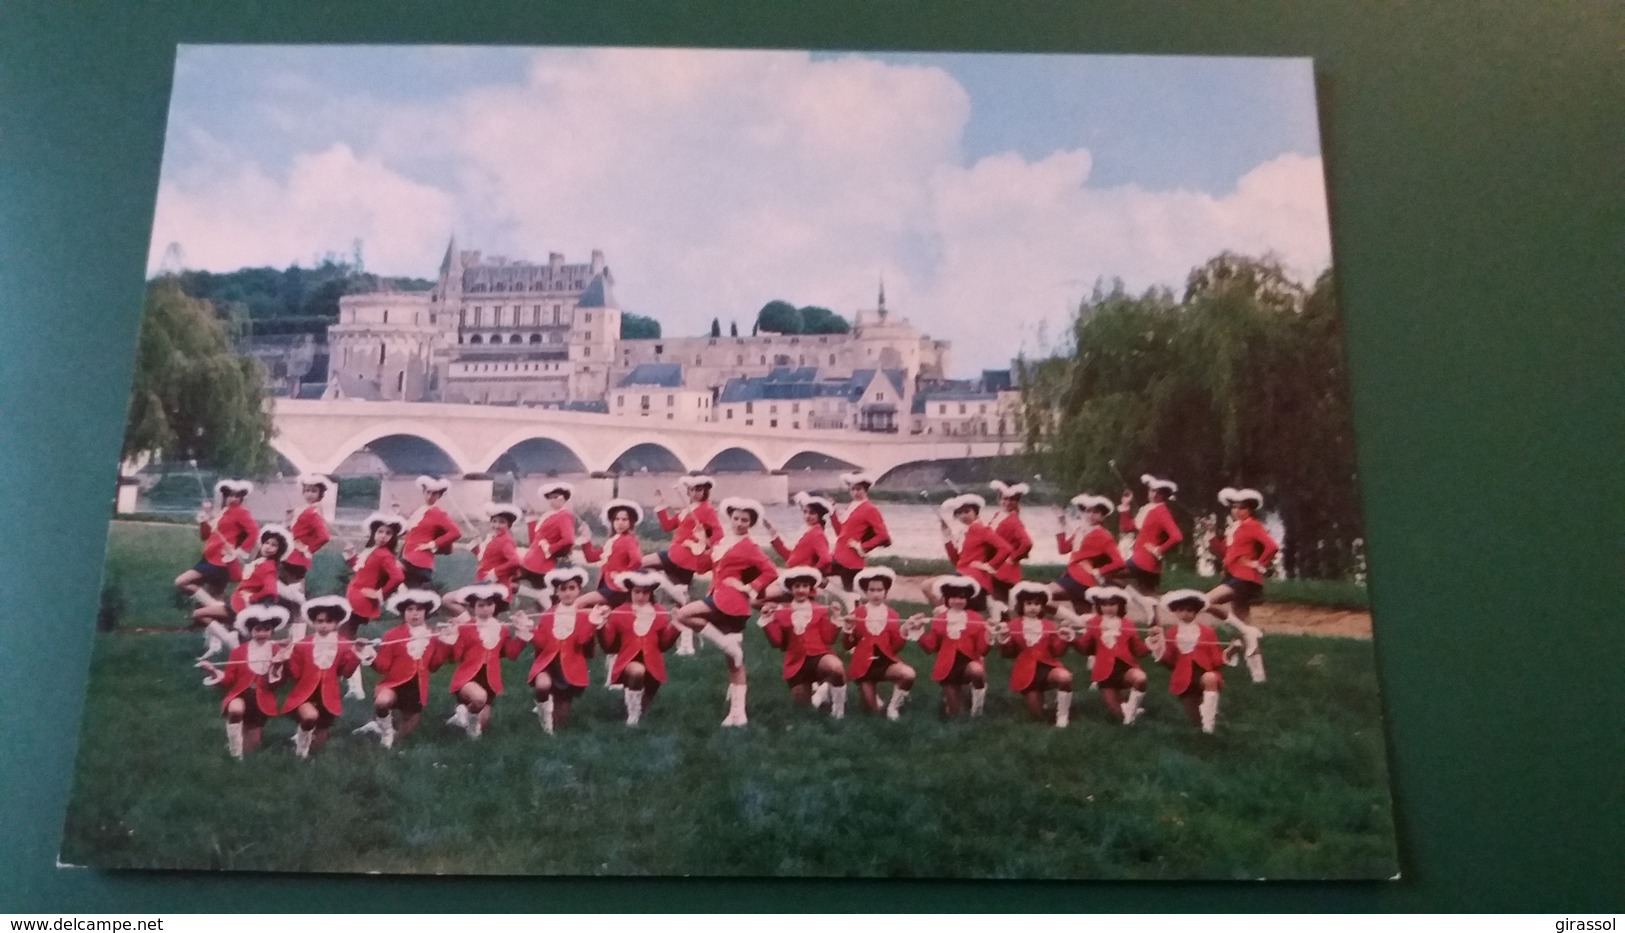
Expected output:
(717, 181)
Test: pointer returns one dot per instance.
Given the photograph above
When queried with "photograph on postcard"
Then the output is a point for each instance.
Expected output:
(705, 462)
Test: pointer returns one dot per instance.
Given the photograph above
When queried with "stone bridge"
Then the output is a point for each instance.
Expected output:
(320, 435)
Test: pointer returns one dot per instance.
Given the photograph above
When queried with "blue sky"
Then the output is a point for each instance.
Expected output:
(985, 187)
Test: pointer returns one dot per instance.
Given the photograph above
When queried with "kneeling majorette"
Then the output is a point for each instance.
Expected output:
(805, 633)
(973, 548)
(636, 635)
(857, 532)
(248, 700)
(258, 584)
(316, 664)
(1154, 530)
(618, 554)
(874, 640)
(308, 528)
(377, 571)
(740, 572)
(496, 555)
(1192, 655)
(1036, 645)
(811, 549)
(1247, 550)
(478, 640)
(406, 655)
(958, 636)
(1092, 553)
(552, 538)
(562, 639)
(1111, 642)
(429, 532)
(1009, 526)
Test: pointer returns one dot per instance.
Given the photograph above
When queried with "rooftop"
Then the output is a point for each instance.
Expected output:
(663, 375)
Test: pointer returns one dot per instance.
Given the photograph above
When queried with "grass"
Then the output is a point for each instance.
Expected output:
(1293, 785)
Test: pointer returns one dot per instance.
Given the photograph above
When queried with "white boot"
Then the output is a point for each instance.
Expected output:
(203, 597)
(1131, 708)
(474, 727)
(736, 706)
(895, 706)
(1063, 708)
(820, 694)
(459, 718)
(685, 641)
(634, 706)
(609, 673)
(730, 645)
(386, 730)
(531, 593)
(355, 691)
(219, 636)
(1209, 709)
(234, 739)
(544, 713)
(978, 696)
(301, 742)
(212, 645)
(1089, 665)
(837, 702)
(297, 630)
(370, 727)
(1255, 665)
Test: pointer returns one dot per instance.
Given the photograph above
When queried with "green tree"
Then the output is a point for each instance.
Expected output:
(639, 327)
(716, 328)
(733, 328)
(816, 320)
(193, 398)
(779, 317)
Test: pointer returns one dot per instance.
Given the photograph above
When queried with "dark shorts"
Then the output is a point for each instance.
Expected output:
(1074, 590)
(290, 573)
(252, 714)
(848, 575)
(212, 574)
(878, 667)
(956, 674)
(324, 717)
(417, 578)
(484, 683)
(1001, 591)
(1246, 590)
(536, 579)
(408, 698)
(978, 603)
(615, 598)
(561, 685)
(807, 673)
(725, 622)
(1114, 677)
(1147, 580)
(681, 576)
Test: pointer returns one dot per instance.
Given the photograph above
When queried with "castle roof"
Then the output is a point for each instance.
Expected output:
(598, 293)
(802, 382)
(662, 375)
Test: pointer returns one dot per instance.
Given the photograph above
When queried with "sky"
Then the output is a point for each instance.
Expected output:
(990, 191)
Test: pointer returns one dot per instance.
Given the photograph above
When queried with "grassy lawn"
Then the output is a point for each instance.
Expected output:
(1293, 785)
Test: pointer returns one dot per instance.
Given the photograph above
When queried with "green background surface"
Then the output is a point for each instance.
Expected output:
(1475, 157)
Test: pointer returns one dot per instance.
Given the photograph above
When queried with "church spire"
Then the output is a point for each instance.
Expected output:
(882, 305)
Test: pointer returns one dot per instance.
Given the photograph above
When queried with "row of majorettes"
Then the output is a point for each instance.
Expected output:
(310, 666)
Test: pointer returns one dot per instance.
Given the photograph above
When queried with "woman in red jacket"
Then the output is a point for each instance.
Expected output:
(1192, 655)
(958, 636)
(857, 532)
(563, 639)
(812, 548)
(975, 550)
(479, 640)
(1035, 645)
(377, 571)
(1155, 532)
(406, 656)
(429, 532)
(496, 555)
(1009, 526)
(805, 633)
(1247, 550)
(316, 664)
(740, 573)
(308, 528)
(694, 531)
(1111, 642)
(618, 554)
(252, 669)
(552, 538)
(1093, 553)
(258, 584)
(636, 635)
(874, 639)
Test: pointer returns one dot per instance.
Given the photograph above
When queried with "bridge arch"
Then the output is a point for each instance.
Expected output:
(404, 447)
(736, 458)
(532, 450)
(650, 455)
(816, 460)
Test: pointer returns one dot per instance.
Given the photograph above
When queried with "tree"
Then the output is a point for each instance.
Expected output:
(816, 320)
(193, 398)
(716, 328)
(639, 327)
(779, 317)
(733, 328)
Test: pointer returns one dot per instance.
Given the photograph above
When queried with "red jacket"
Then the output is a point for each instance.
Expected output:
(319, 685)
(258, 584)
(1010, 527)
(395, 664)
(811, 550)
(1153, 527)
(867, 648)
(1092, 558)
(432, 526)
(572, 649)
(375, 569)
(619, 554)
(619, 636)
(971, 641)
(498, 559)
(1199, 654)
(1245, 542)
(685, 524)
(1126, 646)
(218, 551)
(472, 655)
(551, 539)
(238, 528)
(980, 546)
(1043, 652)
(818, 638)
(309, 533)
(239, 678)
(861, 531)
(743, 564)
